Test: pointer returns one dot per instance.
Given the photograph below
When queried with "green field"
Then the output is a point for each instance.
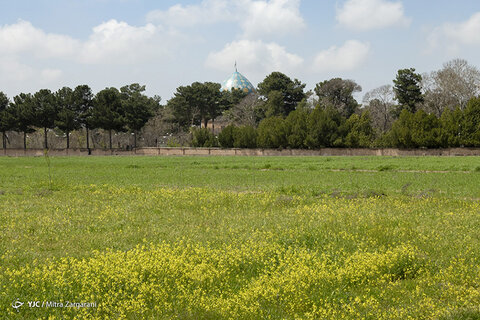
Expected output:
(241, 237)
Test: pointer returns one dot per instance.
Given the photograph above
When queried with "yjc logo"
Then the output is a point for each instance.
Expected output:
(17, 304)
(34, 304)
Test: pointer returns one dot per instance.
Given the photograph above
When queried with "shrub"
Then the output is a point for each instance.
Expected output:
(415, 130)
(297, 130)
(226, 137)
(203, 138)
(323, 128)
(272, 133)
(451, 128)
(359, 131)
(245, 137)
(471, 123)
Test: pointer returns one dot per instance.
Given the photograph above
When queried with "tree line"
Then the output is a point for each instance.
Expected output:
(322, 127)
(127, 109)
(436, 109)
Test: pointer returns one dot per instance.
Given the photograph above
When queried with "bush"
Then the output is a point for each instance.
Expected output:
(245, 137)
(451, 123)
(272, 133)
(471, 123)
(297, 129)
(419, 130)
(323, 128)
(360, 133)
(203, 138)
(226, 137)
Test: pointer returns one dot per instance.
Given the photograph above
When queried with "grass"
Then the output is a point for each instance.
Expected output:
(240, 237)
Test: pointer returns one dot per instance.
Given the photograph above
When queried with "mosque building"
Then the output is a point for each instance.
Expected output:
(237, 82)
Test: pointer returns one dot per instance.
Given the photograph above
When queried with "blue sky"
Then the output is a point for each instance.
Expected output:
(165, 44)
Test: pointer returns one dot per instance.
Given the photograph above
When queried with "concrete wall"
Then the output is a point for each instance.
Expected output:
(244, 152)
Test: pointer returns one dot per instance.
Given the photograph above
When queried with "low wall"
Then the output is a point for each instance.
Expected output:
(243, 152)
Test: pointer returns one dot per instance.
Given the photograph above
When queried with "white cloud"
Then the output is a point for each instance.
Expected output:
(366, 15)
(345, 58)
(254, 57)
(256, 18)
(31, 55)
(109, 43)
(50, 75)
(24, 37)
(208, 11)
(115, 41)
(14, 71)
(454, 35)
(272, 17)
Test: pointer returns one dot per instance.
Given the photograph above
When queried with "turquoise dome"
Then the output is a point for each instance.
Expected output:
(239, 82)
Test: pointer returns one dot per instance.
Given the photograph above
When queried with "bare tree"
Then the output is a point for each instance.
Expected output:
(453, 85)
(435, 100)
(380, 103)
(246, 112)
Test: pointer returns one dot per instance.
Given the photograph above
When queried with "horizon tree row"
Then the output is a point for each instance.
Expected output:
(278, 95)
(326, 127)
(127, 109)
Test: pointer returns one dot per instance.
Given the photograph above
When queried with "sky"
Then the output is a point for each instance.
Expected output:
(167, 44)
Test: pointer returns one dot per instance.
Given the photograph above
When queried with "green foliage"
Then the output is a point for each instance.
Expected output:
(203, 138)
(68, 113)
(297, 128)
(233, 97)
(419, 130)
(7, 117)
(108, 112)
(198, 103)
(451, 123)
(324, 128)
(471, 123)
(5, 123)
(274, 106)
(245, 137)
(24, 114)
(338, 93)
(83, 99)
(408, 90)
(272, 133)
(45, 108)
(360, 133)
(288, 93)
(238, 137)
(226, 136)
(137, 107)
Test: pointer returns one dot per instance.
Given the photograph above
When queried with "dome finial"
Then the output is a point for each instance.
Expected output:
(236, 66)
